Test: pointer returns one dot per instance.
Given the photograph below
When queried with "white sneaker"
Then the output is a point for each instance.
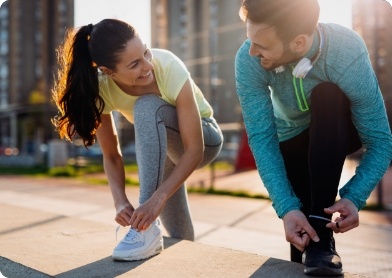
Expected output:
(140, 245)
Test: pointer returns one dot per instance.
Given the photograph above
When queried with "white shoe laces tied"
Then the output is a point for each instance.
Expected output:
(119, 226)
(132, 235)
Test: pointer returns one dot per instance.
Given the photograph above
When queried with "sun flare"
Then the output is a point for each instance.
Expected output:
(336, 11)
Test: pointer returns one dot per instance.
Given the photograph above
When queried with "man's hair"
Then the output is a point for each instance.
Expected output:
(290, 18)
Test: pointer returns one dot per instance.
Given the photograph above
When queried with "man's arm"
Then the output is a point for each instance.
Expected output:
(369, 117)
(257, 110)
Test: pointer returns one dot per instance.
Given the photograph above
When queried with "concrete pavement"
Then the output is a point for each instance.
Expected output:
(65, 228)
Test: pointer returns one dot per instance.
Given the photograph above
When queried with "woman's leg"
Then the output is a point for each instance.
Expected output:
(152, 117)
(158, 148)
(176, 216)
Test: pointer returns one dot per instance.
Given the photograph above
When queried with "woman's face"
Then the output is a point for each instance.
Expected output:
(134, 67)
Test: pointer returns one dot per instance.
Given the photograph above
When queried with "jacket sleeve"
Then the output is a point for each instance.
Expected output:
(254, 96)
(369, 116)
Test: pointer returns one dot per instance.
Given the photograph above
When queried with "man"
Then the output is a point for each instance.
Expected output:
(309, 97)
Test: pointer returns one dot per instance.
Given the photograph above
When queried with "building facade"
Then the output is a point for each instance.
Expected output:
(372, 19)
(206, 36)
(30, 31)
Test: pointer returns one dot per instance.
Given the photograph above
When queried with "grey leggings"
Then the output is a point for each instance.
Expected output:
(158, 148)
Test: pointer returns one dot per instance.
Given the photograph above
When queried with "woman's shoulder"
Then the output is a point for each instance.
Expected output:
(162, 52)
(107, 87)
(104, 83)
(165, 57)
(102, 79)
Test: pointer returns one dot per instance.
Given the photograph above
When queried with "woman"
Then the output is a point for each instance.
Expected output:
(106, 67)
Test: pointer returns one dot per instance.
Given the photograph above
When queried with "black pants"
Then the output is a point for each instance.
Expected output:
(314, 159)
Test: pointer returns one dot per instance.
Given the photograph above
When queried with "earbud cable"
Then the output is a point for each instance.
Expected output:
(302, 103)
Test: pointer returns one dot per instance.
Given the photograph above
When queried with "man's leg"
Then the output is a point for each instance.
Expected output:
(295, 156)
(331, 137)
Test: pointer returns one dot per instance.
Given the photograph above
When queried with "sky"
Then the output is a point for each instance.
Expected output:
(137, 13)
(134, 12)
(337, 11)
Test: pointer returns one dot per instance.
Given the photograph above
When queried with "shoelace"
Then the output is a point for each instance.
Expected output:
(119, 226)
(321, 218)
(132, 235)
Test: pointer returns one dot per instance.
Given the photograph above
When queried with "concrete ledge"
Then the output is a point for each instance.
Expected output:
(42, 244)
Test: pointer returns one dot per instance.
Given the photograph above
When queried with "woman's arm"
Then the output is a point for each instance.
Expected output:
(192, 138)
(114, 168)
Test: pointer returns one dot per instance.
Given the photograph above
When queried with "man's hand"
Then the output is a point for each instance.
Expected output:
(348, 219)
(298, 230)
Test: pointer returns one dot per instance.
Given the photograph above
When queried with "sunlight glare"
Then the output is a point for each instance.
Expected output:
(134, 12)
(336, 11)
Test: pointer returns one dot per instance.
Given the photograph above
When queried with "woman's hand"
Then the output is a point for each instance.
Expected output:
(123, 214)
(146, 213)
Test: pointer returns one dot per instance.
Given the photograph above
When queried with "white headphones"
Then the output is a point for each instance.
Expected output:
(305, 65)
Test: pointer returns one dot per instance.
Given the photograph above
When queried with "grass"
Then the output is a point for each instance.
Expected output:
(104, 181)
(36, 170)
(236, 193)
(83, 173)
(71, 171)
(66, 171)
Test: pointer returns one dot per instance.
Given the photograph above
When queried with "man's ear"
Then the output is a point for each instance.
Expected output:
(299, 43)
(106, 71)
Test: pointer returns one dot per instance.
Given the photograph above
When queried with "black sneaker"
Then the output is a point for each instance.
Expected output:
(321, 258)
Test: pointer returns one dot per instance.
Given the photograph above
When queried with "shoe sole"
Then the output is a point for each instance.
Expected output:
(145, 254)
(317, 271)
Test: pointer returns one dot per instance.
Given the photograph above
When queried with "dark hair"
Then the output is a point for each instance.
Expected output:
(290, 18)
(76, 89)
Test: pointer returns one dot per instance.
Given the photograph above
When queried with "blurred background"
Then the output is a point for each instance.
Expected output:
(205, 34)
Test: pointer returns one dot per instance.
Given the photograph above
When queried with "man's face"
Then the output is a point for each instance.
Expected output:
(266, 45)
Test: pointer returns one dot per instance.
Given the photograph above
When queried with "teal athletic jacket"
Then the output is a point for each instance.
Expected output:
(271, 112)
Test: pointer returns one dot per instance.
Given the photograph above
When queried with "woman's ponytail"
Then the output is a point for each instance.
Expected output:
(76, 90)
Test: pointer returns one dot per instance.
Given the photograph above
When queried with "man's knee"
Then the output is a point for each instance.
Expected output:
(329, 95)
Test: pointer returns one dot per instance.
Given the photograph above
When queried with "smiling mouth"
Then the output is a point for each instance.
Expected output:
(264, 60)
(145, 75)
